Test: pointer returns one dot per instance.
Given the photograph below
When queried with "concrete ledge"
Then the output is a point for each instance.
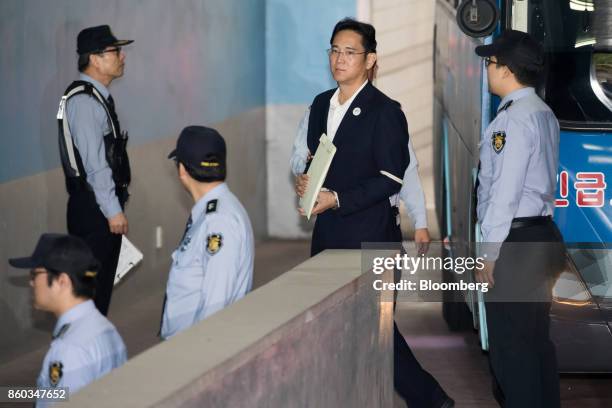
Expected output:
(317, 336)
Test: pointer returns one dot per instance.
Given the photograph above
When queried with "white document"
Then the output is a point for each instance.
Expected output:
(129, 257)
(317, 173)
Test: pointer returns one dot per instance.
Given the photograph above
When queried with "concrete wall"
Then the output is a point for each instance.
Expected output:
(318, 336)
(193, 62)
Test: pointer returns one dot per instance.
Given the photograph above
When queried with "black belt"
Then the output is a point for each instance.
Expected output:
(76, 185)
(524, 222)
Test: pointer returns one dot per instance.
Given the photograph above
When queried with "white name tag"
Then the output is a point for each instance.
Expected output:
(62, 106)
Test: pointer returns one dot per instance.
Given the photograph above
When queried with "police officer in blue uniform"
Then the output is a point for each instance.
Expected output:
(213, 264)
(518, 165)
(85, 344)
(370, 132)
(93, 154)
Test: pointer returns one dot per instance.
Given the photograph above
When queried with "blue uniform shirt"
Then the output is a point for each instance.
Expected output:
(88, 124)
(213, 265)
(85, 346)
(519, 156)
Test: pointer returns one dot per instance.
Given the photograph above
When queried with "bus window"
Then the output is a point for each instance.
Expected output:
(602, 74)
(577, 39)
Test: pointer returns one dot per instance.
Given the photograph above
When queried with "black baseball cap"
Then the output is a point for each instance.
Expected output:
(60, 253)
(97, 38)
(516, 47)
(200, 147)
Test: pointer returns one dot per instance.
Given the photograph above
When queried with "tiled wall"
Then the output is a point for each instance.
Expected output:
(404, 31)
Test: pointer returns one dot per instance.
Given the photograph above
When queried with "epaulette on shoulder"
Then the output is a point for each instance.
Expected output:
(505, 106)
(61, 331)
(211, 206)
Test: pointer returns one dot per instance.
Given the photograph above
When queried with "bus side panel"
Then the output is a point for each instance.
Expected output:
(440, 68)
(586, 218)
(461, 189)
(457, 105)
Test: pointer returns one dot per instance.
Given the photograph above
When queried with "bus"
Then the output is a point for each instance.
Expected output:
(577, 39)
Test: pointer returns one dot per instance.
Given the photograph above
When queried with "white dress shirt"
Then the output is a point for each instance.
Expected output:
(337, 111)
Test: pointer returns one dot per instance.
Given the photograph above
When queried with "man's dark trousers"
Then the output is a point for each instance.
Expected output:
(416, 386)
(521, 354)
(85, 220)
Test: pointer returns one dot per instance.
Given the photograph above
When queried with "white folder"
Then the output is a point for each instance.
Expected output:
(317, 173)
(129, 257)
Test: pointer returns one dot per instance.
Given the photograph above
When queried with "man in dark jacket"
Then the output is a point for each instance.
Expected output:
(370, 132)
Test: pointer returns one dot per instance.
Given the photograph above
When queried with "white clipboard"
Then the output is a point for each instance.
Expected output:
(317, 173)
(129, 257)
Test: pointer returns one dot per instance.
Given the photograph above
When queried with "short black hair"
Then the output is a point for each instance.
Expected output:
(527, 68)
(82, 286)
(207, 174)
(367, 32)
(83, 62)
(528, 74)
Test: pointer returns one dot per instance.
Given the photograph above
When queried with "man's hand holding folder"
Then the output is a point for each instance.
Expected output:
(314, 199)
(325, 201)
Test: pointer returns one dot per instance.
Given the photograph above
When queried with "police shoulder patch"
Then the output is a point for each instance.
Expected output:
(498, 141)
(55, 372)
(211, 206)
(214, 242)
